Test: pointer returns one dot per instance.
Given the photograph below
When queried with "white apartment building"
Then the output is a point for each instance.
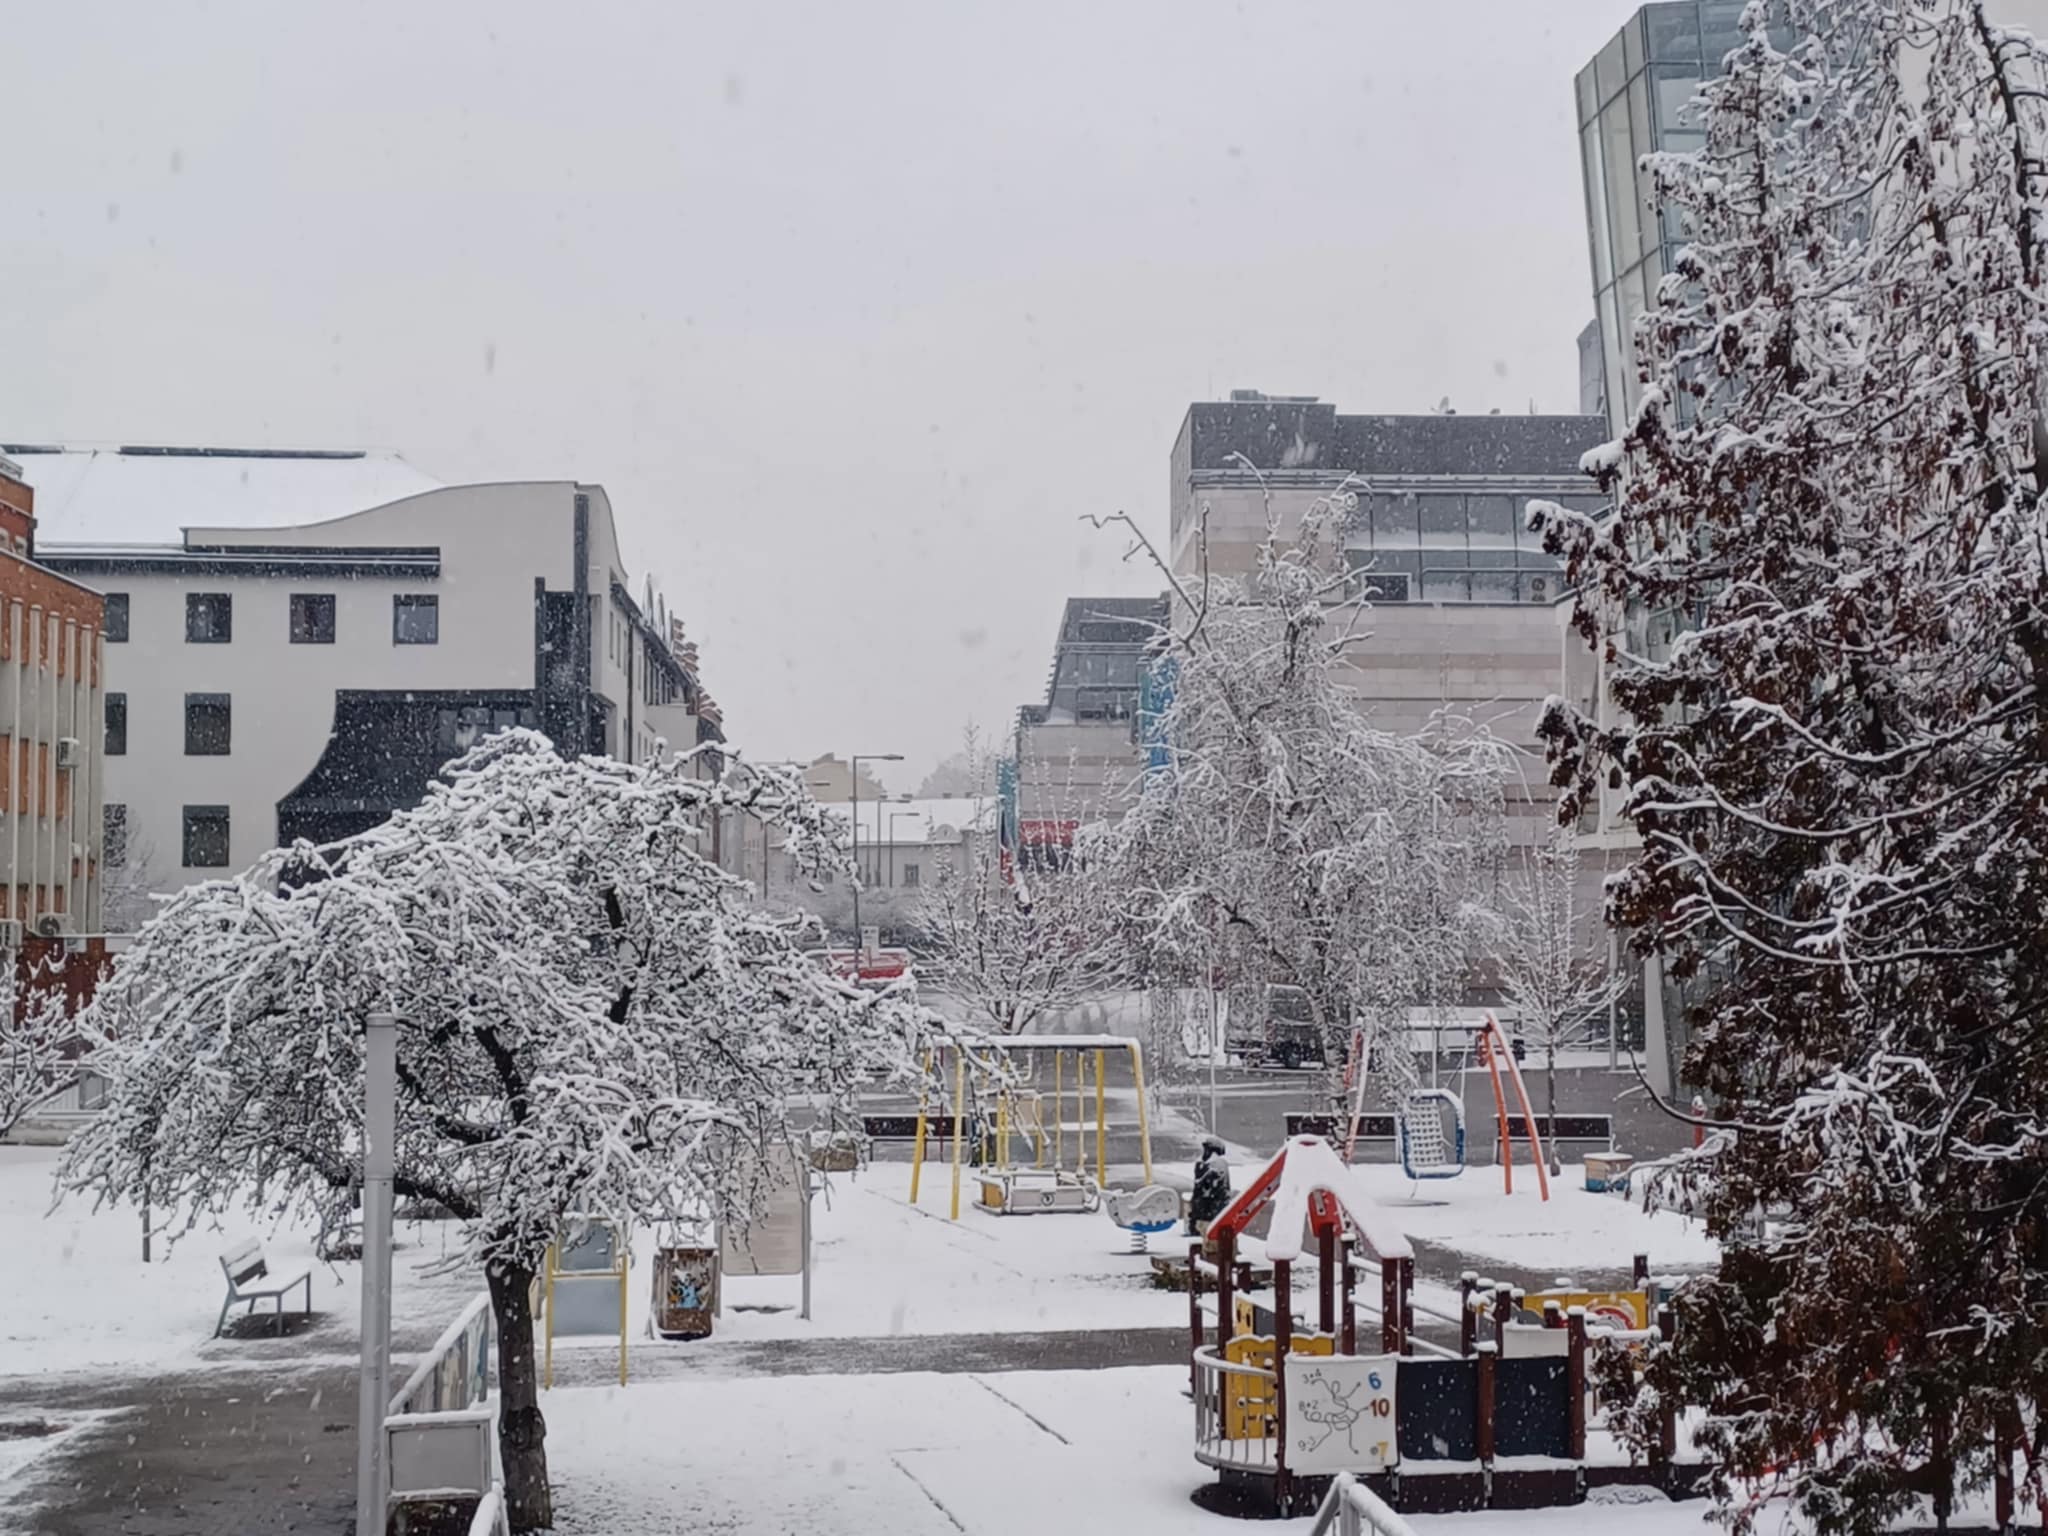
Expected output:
(296, 641)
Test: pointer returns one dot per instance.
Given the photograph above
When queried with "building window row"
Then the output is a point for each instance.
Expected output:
(210, 618)
(209, 725)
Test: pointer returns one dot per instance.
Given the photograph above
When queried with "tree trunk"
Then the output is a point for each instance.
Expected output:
(522, 1433)
(1550, 1147)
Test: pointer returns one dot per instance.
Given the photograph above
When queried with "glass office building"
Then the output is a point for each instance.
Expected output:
(1632, 102)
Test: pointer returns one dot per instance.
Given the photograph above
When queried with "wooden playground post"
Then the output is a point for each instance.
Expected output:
(1283, 1341)
(1553, 1313)
(1326, 1279)
(1575, 1383)
(1390, 1307)
(1195, 1313)
(1350, 1341)
(1226, 1271)
(1101, 1126)
(1468, 1324)
(924, 1089)
(1503, 1299)
(1483, 1417)
(1407, 1266)
(1003, 1129)
(959, 1120)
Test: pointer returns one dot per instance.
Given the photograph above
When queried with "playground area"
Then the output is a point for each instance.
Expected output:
(985, 1365)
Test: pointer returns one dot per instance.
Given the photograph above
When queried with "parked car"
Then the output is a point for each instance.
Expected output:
(1283, 1034)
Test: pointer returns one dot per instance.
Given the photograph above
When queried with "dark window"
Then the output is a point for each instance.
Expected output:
(115, 625)
(312, 618)
(208, 721)
(206, 836)
(910, 874)
(209, 618)
(117, 725)
(114, 836)
(415, 619)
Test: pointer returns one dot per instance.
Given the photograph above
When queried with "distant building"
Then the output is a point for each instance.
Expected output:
(906, 847)
(831, 779)
(297, 641)
(1631, 102)
(52, 685)
(1079, 753)
(1462, 593)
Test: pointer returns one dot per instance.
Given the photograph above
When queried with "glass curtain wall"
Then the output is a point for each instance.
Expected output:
(1632, 101)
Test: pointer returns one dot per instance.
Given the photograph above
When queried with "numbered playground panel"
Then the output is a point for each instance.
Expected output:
(1340, 1413)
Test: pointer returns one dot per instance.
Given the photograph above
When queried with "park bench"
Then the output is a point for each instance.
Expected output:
(250, 1280)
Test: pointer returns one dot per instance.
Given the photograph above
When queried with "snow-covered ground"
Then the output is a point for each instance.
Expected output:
(80, 1300)
(1013, 1454)
(1019, 1451)
(1572, 1230)
(885, 1267)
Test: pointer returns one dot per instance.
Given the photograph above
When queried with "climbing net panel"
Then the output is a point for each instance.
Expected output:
(1430, 1134)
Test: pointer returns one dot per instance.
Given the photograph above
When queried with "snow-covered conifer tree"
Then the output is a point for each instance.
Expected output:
(1824, 594)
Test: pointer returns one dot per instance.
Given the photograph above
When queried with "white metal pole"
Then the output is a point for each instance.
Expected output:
(380, 1119)
(805, 1312)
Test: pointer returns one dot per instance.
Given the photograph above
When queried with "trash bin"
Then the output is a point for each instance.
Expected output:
(685, 1292)
(1607, 1172)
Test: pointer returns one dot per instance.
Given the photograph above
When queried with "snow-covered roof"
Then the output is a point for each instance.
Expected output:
(1309, 1165)
(103, 494)
(904, 822)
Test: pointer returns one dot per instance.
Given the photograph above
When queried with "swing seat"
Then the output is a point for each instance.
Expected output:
(1035, 1192)
(1429, 1148)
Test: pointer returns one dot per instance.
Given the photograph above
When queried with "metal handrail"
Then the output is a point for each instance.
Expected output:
(401, 1400)
(1212, 1446)
(1352, 1509)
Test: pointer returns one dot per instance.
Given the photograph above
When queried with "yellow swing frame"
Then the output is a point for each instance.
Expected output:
(1083, 1047)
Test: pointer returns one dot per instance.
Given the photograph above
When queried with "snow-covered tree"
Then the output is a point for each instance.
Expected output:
(1016, 947)
(966, 773)
(1824, 597)
(1287, 839)
(593, 1020)
(1549, 957)
(40, 1047)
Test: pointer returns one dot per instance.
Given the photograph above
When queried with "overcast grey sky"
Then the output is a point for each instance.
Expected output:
(853, 308)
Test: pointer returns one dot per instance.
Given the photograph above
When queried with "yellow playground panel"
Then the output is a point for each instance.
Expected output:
(1019, 1108)
(1249, 1401)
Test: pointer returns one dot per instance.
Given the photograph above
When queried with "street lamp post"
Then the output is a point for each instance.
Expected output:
(855, 761)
